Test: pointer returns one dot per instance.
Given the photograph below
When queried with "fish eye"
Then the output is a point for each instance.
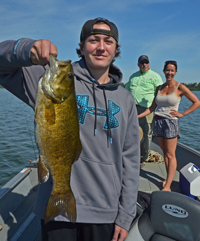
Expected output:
(70, 75)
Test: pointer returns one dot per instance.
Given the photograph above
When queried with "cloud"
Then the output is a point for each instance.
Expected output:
(174, 44)
(165, 32)
(34, 19)
(180, 46)
(160, 1)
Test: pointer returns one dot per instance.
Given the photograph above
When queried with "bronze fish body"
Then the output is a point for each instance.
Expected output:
(57, 136)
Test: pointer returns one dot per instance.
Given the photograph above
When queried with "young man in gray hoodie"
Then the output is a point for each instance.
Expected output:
(105, 178)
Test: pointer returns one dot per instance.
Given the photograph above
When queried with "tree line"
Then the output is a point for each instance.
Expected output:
(191, 86)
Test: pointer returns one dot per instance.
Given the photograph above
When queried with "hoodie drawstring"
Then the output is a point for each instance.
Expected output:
(95, 106)
(104, 92)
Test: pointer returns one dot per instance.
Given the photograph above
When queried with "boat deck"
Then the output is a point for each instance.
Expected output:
(151, 174)
(17, 197)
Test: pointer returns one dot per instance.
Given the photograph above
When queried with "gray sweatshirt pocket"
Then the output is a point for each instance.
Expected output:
(94, 184)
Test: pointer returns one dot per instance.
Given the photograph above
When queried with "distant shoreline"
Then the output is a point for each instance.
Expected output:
(193, 86)
(190, 86)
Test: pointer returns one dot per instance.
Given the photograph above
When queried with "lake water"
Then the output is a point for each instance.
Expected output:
(17, 142)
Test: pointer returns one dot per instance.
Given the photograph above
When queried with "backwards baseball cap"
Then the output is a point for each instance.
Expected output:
(88, 29)
(143, 57)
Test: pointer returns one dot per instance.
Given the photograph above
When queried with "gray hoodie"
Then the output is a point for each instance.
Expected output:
(105, 178)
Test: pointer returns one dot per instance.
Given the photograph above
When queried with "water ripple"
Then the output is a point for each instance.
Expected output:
(17, 142)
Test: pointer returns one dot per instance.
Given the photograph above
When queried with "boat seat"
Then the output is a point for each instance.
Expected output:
(170, 217)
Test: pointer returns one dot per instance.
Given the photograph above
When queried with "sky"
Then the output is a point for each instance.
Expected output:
(162, 29)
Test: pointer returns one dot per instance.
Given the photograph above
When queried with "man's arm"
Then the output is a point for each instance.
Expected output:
(19, 73)
(127, 86)
(158, 81)
(131, 168)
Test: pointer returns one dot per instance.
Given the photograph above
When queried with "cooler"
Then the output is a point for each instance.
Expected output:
(190, 180)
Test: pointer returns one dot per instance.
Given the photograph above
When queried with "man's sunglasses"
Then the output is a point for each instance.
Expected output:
(144, 62)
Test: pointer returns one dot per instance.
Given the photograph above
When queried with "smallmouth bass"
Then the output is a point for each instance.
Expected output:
(57, 136)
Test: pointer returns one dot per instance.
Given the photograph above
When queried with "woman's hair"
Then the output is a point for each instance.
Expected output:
(170, 62)
(78, 51)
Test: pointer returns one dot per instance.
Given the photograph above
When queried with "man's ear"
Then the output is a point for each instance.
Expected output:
(115, 53)
(81, 47)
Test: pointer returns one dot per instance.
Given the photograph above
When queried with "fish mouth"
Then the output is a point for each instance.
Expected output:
(53, 99)
(49, 91)
(52, 79)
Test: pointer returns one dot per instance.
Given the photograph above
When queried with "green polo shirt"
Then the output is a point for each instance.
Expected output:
(143, 87)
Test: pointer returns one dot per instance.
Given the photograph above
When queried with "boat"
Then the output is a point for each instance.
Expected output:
(17, 197)
(169, 216)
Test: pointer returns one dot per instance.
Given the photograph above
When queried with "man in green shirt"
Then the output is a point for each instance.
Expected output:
(142, 85)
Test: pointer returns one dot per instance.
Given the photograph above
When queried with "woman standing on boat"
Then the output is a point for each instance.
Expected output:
(166, 120)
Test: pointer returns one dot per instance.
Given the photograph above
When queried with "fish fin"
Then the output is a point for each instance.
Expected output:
(43, 172)
(61, 204)
(79, 149)
(35, 115)
(50, 115)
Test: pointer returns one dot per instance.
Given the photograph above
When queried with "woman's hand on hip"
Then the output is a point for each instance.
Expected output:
(175, 113)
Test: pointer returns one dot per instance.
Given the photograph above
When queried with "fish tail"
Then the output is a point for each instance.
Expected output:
(61, 204)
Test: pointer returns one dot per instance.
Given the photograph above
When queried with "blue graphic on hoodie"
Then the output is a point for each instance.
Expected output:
(84, 109)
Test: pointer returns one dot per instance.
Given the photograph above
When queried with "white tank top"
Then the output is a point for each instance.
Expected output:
(167, 102)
